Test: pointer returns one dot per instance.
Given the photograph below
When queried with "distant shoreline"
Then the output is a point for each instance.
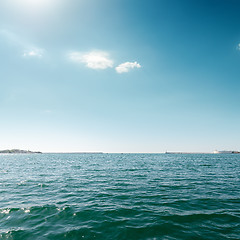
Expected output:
(18, 151)
(215, 152)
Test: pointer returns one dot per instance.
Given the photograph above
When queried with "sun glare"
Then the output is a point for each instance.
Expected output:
(36, 3)
(34, 6)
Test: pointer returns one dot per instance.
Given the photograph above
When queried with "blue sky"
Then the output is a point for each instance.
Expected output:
(120, 75)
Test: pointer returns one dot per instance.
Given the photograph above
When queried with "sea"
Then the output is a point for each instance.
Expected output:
(119, 196)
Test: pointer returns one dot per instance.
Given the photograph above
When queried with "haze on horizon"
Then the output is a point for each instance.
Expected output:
(119, 76)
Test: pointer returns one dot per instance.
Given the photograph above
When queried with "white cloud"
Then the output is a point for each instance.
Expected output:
(93, 59)
(127, 66)
(35, 52)
(47, 111)
(238, 47)
(18, 42)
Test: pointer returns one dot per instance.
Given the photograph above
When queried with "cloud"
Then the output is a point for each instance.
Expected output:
(18, 42)
(238, 47)
(35, 52)
(93, 59)
(100, 60)
(47, 111)
(127, 66)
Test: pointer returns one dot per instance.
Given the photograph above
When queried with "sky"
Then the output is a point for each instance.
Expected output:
(120, 75)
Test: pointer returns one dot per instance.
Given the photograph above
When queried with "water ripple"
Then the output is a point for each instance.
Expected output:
(119, 196)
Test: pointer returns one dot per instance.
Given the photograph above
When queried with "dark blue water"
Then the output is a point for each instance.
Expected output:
(120, 196)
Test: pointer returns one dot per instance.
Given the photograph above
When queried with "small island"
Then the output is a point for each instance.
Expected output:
(17, 151)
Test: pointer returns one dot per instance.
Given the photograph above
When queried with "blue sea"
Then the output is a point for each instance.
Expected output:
(119, 196)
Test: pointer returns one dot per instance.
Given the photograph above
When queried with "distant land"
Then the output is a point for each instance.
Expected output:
(75, 152)
(224, 151)
(14, 151)
(215, 152)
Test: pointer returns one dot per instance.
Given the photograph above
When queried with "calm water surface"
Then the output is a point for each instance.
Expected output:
(120, 196)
